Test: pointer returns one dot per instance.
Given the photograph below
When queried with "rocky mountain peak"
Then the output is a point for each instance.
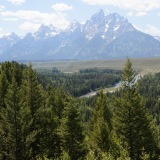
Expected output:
(74, 25)
(102, 36)
(11, 36)
(98, 16)
(115, 18)
(8, 41)
(46, 31)
(108, 27)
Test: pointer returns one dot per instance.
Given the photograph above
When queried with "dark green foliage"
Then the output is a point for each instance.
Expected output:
(78, 84)
(132, 123)
(31, 103)
(47, 123)
(13, 119)
(56, 101)
(3, 88)
(73, 135)
(49, 138)
(12, 69)
(10, 117)
(149, 88)
(97, 70)
(100, 127)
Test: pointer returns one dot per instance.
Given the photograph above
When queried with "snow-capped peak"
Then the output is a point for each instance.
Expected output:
(98, 16)
(46, 31)
(115, 18)
(8, 41)
(73, 26)
(108, 27)
(10, 36)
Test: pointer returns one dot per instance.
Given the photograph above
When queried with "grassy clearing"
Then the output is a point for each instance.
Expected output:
(143, 65)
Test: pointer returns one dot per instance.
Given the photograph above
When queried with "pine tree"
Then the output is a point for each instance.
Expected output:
(61, 100)
(4, 129)
(9, 112)
(100, 127)
(14, 122)
(31, 102)
(132, 123)
(73, 135)
(3, 88)
(51, 142)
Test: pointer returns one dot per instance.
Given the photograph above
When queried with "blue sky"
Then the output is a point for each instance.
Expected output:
(22, 16)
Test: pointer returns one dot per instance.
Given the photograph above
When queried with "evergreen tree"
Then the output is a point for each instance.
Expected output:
(50, 122)
(14, 122)
(3, 88)
(74, 144)
(49, 141)
(10, 111)
(12, 69)
(100, 127)
(4, 128)
(132, 123)
(31, 101)
(6, 140)
(61, 100)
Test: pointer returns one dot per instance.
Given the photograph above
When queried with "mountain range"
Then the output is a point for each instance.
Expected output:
(100, 37)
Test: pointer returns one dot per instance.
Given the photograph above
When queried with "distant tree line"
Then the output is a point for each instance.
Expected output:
(83, 82)
(38, 122)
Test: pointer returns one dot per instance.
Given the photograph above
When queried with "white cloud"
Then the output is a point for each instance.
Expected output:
(0, 32)
(149, 29)
(153, 30)
(58, 20)
(140, 14)
(16, 2)
(136, 5)
(130, 14)
(59, 7)
(2, 7)
(28, 26)
(137, 14)
(10, 19)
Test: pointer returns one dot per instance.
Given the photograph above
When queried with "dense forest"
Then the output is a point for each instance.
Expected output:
(41, 118)
(79, 83)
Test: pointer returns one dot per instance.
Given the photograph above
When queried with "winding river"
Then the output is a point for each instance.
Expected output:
(110, 89)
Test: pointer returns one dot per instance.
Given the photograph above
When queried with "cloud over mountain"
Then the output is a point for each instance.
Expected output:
(17, 2)
(36, 17)
(137, 5)
(100, 37)
(59, 7)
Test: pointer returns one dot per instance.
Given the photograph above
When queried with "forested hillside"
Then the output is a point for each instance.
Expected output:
(80, 83)
(41, 119)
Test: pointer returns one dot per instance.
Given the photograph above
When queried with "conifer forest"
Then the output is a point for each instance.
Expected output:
(44, 116)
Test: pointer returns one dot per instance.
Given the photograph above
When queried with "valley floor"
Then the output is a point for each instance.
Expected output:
(143, 65)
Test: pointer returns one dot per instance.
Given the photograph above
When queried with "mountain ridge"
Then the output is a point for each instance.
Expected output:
(100, 37)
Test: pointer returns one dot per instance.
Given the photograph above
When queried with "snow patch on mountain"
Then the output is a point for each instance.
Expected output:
(100, 36)
(116, 27)
(106, 28)
(8, 41)
(157, 37)
(74, 25)
(46, 31)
